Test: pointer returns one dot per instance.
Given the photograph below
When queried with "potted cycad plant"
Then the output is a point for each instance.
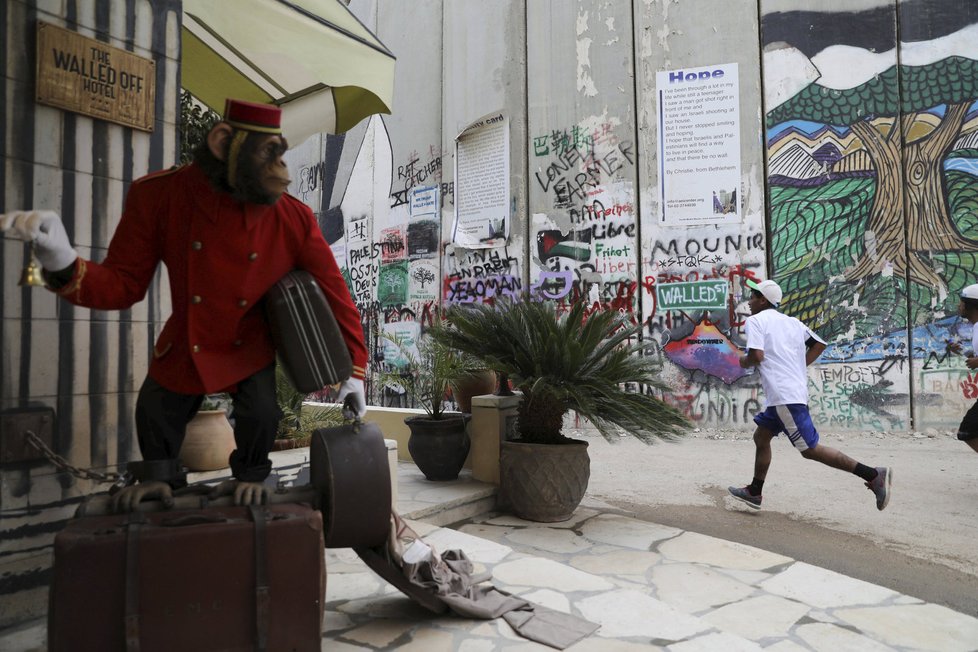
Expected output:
(439, 442)
(561, 362)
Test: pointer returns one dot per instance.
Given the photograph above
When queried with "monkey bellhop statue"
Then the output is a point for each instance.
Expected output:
(226, 231)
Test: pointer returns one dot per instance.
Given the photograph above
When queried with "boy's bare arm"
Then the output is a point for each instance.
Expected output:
(753, 358)
(971, 359)
(814, 350)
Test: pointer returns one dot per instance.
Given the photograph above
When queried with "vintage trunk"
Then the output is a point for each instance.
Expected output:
(207, 579)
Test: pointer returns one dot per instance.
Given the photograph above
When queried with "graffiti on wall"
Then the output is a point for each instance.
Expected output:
(478, 275)
(387, 243)
(707, 348)
(873, 159)
(686, 287)
(873, 223)
(695, 304)
(584, 244)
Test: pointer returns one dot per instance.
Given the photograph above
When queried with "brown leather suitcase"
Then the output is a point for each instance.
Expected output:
(190, 580)
(308, 341)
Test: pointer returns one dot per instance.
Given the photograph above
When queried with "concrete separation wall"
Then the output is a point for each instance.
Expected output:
(851, 187)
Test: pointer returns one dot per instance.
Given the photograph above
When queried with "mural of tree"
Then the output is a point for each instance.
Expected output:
(910, 181)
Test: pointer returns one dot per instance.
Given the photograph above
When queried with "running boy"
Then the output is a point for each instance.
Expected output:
(782, 347)
(968, 308)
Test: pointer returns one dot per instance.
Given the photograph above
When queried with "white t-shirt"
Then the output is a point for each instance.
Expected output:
(782, 338)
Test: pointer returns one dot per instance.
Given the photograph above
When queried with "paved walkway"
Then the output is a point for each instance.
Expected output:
(650, 587)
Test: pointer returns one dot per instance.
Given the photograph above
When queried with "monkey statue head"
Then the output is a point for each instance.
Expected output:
(242, 154)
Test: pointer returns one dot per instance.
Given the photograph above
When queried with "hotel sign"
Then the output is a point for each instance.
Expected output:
(81, 74)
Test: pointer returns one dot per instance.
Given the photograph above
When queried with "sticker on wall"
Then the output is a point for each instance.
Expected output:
(392, 284)
(363, 269)
(400, 343)
(692, 295)
(423, 280)
(422, 239)
(424, 202)
(393, 245)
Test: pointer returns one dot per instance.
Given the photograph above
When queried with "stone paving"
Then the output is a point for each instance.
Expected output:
(650, 587)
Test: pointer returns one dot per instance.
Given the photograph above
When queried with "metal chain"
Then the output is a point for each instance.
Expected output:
(63, 465)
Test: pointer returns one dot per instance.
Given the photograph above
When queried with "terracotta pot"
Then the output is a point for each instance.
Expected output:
(439, 446)
(544, 482)
(474, 384)
(209, 442)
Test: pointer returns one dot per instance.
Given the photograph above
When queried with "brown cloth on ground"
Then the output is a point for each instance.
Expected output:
(449, 577)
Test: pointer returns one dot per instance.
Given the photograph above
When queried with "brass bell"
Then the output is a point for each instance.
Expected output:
(31, 276)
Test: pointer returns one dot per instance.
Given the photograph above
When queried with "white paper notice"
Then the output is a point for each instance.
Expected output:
(699, 145)
(482, 183)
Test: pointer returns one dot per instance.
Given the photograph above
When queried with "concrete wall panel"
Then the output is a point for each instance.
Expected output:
(699, 348)
(583, 200)
(938, 40)
(851, 173)
(485, 72)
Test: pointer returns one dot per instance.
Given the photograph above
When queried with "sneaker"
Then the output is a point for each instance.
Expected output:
(744, 494)
(881, 485)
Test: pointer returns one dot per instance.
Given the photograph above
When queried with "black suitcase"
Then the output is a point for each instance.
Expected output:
(307, 338)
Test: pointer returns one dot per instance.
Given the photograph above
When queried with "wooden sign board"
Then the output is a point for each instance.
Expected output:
(81, 74)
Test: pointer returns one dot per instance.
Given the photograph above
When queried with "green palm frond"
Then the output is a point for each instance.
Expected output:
(564, 362)
(428, 376)
(297, 421)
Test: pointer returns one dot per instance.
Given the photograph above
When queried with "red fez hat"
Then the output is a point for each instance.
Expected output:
(250, 116)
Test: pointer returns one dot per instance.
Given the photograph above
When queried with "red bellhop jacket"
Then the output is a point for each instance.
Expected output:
(221, 257)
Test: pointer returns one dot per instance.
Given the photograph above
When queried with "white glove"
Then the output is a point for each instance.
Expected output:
(44, 228)
(353, 387)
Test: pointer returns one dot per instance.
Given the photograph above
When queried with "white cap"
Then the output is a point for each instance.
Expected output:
(970, 292)
(772, 291)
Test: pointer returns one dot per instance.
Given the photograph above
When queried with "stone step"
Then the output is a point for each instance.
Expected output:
(441, 503)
